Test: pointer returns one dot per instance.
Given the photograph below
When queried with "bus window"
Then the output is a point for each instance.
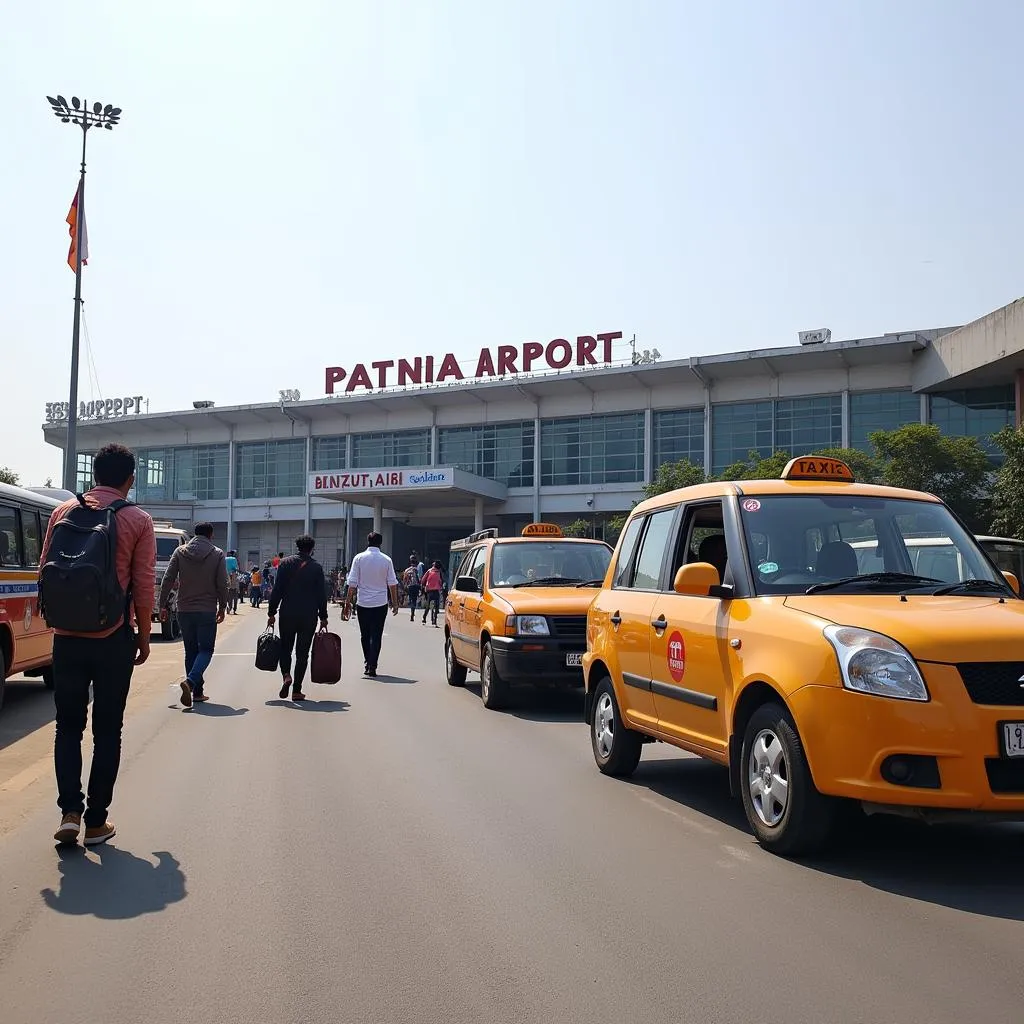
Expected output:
(30, 536)
(9, 537)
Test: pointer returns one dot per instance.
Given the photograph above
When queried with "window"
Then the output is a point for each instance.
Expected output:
(496, 451)
(804, 425)
(83, 472)
(479, 565)
(626, 549)
(152, 468)
(31, 541)
(328, 453)
(652, 550)
(592, 450)
(974, 412)
(737, 430)
(194, 473)
(272, 469)
(678, 435)
(562, 562)
(402, 448)
(10, 531)
(880, 410)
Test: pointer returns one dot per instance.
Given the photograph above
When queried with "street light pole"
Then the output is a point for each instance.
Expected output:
(100, 116)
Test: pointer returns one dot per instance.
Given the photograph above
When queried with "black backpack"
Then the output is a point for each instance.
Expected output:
(78, 586)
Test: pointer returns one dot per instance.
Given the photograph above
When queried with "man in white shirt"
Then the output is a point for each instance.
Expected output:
(373, 578)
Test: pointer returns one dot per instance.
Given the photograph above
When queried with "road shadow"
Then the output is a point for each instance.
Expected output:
(114, 885)
(28, 706)
(310, 705)
(538, 704)
(972, 868)
(208, 709)
(383, 677)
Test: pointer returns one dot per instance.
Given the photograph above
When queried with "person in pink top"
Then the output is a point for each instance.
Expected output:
(104, 659)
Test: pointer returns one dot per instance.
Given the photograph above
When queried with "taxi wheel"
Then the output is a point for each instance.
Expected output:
(616, 749)
(785, 810)
(493, 689)
(455, 672)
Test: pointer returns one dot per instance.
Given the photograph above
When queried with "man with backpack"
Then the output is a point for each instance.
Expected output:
(411, 582)
(200, 569)
(231, 564)
(300, 591)
(97, 580)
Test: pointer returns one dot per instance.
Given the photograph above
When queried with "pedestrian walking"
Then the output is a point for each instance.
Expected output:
(300, 591)
(411, 581)
(432, 585)
(231, 564)
(96, 589)
(372, 585)
(255, 586)
(200, 568)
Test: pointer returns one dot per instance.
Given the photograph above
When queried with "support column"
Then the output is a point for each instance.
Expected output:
(478, 515)
(308, 528)
(378, 515)
(433, 443)
(350, 538)
(925, 418)
(232, 529)
(648, 443)
(536, 467)
(1018, 396)
(845, 436)
(707, 430)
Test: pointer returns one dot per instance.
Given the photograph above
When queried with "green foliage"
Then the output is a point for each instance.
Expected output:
(613, 527)
(757, 467)
(579, 528)
(866, 469)
(8, 476)
(1008, 490)
(920, 457)
(670, 476)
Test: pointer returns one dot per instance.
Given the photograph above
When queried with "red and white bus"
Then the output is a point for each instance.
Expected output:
(26, 642)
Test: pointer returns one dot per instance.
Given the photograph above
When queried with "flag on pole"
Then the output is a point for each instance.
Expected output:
(73, 231)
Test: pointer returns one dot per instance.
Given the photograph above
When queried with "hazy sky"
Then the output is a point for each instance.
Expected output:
(305, 184)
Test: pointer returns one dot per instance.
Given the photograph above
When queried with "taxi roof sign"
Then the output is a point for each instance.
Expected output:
(542, 530)
(817, 467)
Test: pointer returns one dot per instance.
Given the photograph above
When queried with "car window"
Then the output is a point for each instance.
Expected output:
(558, 562)
(652, 550)
(30, 538)
(9, 534)
(479, 564)
(468, 561)
(626, 550)
(1007, 557)
(702, 538)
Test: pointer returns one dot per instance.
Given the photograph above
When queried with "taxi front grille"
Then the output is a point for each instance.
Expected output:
(570, 627)
(994, 682)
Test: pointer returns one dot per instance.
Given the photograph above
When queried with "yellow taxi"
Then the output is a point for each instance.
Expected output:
(517, 609)
(737, 622)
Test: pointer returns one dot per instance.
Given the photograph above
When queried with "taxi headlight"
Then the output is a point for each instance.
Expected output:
(876, 664)
(529, 625)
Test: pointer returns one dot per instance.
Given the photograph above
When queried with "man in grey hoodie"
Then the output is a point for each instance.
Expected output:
(200, 570)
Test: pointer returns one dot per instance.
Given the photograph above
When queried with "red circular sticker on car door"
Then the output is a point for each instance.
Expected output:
(676, 656)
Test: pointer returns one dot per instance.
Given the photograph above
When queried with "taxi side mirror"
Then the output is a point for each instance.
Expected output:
(696, 579)
(1013, 581)
(467, 584)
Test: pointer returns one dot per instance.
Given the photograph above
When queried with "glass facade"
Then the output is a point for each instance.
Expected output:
(804, 425)
(497, 451)
(738, 429)
(400, 448)
(328, 453)
(271, 469)
(195, 473)
(975, 412)
(83, 472)
(592, 450)
(678, 435)
(880, 410)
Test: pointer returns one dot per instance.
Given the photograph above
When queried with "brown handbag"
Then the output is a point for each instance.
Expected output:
(325, 661)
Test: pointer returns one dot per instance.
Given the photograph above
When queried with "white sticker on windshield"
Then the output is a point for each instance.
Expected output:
(751, 505)
(768, 567)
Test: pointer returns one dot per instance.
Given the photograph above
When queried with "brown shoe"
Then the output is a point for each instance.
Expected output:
(199, 697)
(186, 692)
(298, 695)
(99, 834)
(70, 826)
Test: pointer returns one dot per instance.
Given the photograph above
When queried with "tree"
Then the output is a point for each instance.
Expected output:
(920, 457)
(8, 476)
(757, 467)
(1008, 489)
(579, 528)
(670, 476)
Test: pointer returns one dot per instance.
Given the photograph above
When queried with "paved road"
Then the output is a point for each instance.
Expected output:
(393, 852)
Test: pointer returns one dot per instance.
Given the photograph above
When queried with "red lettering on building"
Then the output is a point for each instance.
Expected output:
(333, 375)
(608, 339)
(382, 368)
(585, 345)
(532, 351)
(449, 368)
(485, 364)
(506, 359)
(410, 373)
(359, 379)
(558, 354)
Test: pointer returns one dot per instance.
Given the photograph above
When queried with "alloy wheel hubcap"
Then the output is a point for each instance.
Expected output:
(604, 725)
(768, 778)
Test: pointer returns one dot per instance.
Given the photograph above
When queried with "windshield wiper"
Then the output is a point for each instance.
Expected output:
(908, 578)
(968, 585)
(547, 581)
(590, 583)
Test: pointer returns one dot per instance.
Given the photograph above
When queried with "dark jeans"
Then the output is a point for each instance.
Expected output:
(371, 632)
(298, 633)
(233, 601)
(256, 596)
(414, 595)
(431, 602)
(107, 664)
(199, 635)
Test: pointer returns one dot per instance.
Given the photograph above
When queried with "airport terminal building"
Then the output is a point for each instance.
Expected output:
(428, 450)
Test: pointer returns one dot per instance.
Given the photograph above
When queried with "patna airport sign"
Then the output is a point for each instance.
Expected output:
(101, 409)
(505, 360)
(381, 480)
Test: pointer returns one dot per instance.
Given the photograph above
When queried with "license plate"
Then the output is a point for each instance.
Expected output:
(1013, 739)
(575, 660)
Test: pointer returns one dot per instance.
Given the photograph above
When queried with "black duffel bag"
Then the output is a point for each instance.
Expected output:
(268, 651)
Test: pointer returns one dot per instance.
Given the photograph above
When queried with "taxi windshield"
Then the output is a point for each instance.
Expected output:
(553, 563)
(846, 543)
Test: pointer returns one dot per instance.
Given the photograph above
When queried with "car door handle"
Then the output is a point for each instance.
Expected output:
(660, 623)
(615, 619)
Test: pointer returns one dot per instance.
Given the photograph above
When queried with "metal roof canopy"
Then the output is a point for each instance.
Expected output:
(464, 487)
